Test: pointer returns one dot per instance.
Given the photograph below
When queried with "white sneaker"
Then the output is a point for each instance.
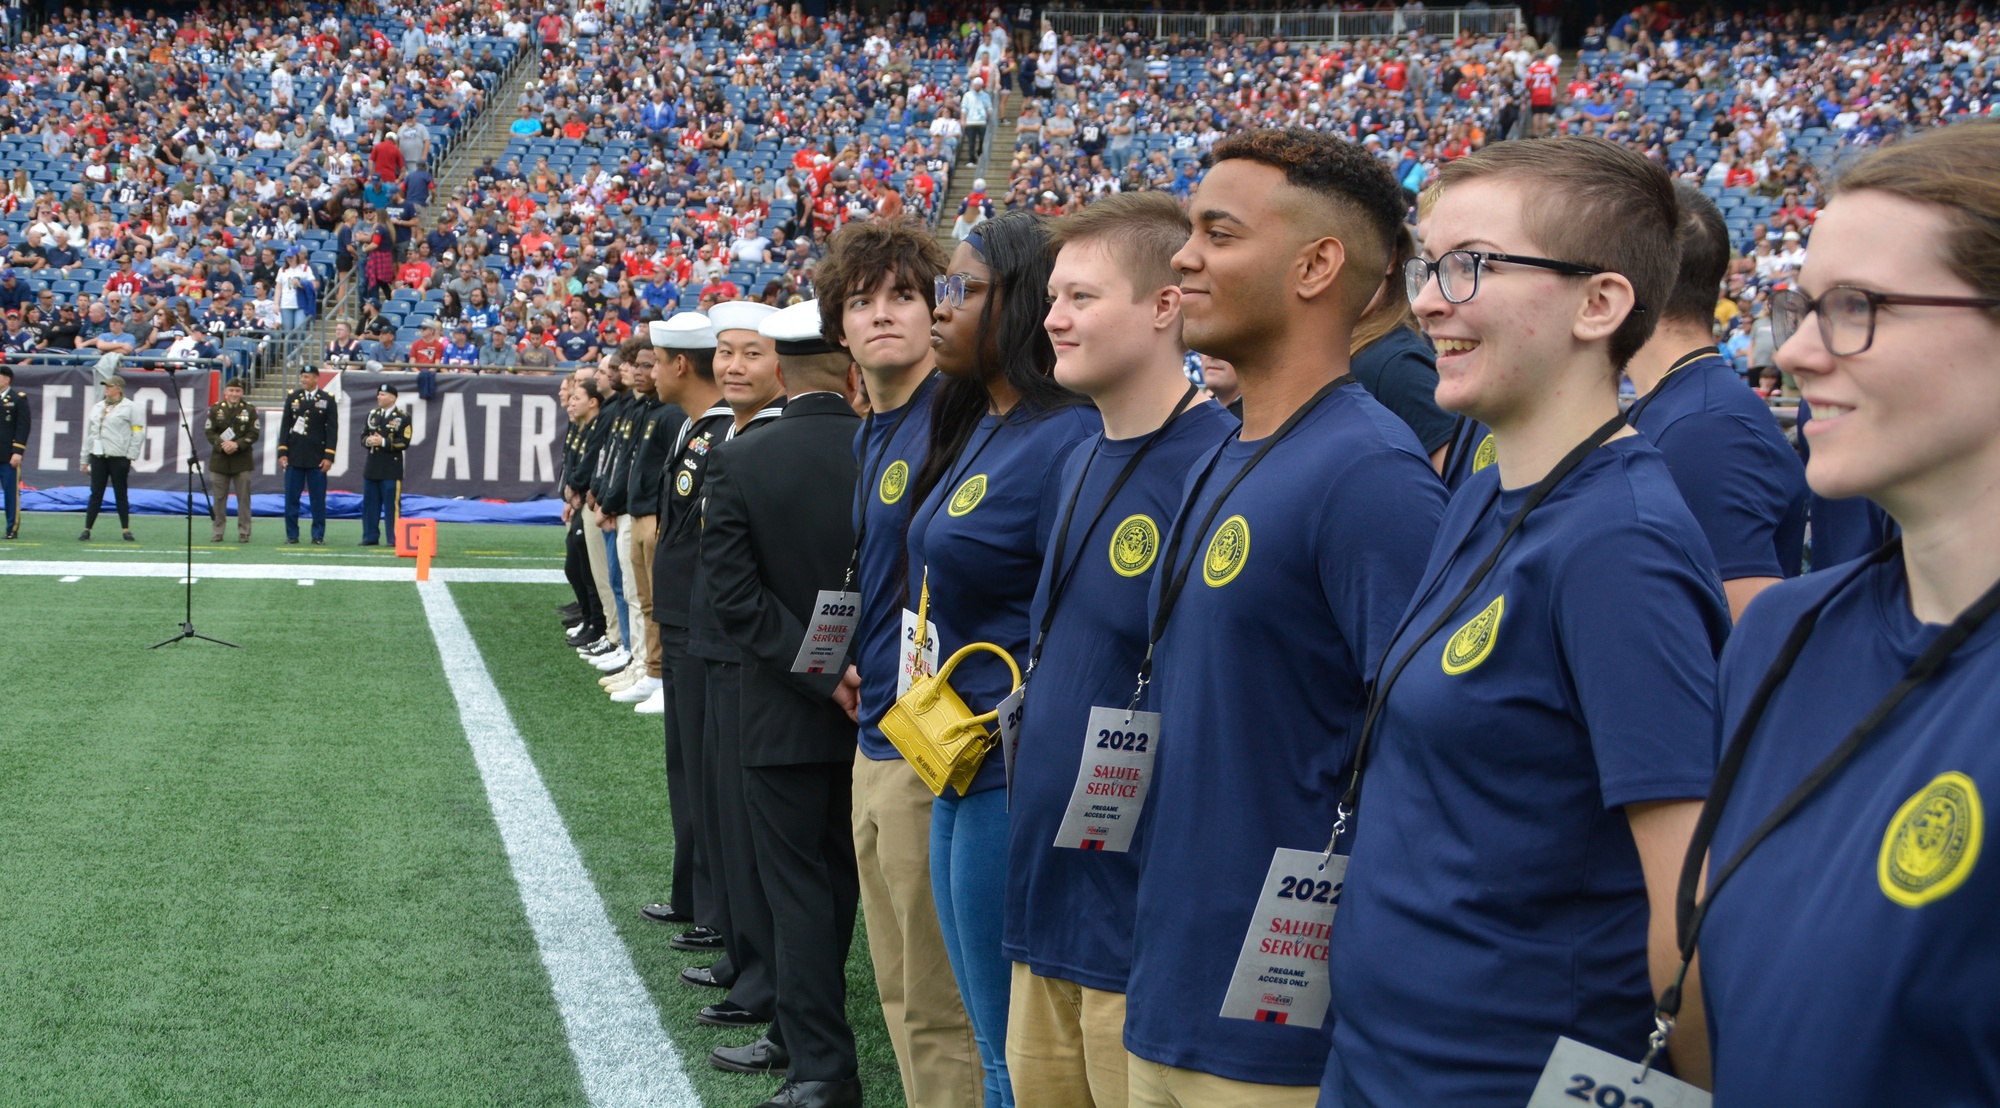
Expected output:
(591, 651)
(623, 679)
(614, 661)
(637, 691)
(654, 705)
(612, 679)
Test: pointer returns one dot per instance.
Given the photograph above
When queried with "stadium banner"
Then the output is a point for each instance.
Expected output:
(479, 436)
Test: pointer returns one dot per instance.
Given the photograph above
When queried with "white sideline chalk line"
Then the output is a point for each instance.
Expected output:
(177, 572)
(622, 1053)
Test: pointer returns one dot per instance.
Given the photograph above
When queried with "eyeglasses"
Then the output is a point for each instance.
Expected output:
(1847, 314)
(951, 290)
(1458, 271)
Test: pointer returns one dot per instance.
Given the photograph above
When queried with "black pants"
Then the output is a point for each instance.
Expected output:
(686, 682)
(576, 567)
(742, 914)
(801, 819)
(975, 143)
(116, 471)
(690, 891)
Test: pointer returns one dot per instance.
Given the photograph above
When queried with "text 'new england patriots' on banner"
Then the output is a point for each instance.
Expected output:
(480, 436)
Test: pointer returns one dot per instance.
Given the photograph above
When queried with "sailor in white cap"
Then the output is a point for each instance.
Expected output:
(776, 538)
(746, 366)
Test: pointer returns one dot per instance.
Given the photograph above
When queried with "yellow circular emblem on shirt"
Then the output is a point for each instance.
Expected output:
(1486, 455)
(894, 480)
(968, 495)
(1932, 842)
(1227, 552)
(684, 484)
(1133, 546)
(1470, 644)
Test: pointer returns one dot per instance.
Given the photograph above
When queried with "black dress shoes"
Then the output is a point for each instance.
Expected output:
(726, 1014)
(701, 977)
(665, 913)
(762, 1056)
(697, 939)
(816, 1094)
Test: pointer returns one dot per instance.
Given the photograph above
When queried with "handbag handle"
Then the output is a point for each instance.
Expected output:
(951, 663)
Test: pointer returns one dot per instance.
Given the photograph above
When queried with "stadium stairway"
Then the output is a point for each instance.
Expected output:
(997, 169)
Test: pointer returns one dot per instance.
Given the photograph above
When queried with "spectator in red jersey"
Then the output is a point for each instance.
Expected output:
(428, 349)
(387, 158)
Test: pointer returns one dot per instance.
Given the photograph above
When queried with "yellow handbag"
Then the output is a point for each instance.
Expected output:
(931, 726)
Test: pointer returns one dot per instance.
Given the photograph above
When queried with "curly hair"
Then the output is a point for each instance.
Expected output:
(859, 254)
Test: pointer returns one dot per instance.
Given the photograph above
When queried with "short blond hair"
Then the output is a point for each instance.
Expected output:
(1142, 230)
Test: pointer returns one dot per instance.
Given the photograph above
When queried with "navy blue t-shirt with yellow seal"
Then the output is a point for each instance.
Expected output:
(1469, 451)
(1069, 911)
(890, 446)
(1294, 592)
(1852, 959)
(1494, 897)
(981, 534)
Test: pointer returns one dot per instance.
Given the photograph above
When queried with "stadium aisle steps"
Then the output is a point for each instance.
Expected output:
(998, 171)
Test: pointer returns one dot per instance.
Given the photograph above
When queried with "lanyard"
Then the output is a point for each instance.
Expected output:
(1686, 360)
(1689, 914)
(1350, 800)
(1059, 582)
(1176, 577)
(861, 491)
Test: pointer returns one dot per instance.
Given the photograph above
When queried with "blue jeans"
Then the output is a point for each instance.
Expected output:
(298, 480)
(381, 503)
(10, 490)
(293, 319)
(969, 884)
(618, 586)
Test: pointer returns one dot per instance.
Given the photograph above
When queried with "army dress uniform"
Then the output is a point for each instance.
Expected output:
(307, 437)
(382, 474)
(231, 422)
(15, 423)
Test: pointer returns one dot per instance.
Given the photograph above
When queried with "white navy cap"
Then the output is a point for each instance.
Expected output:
(683, 331)
(739, 315)
(796, 331)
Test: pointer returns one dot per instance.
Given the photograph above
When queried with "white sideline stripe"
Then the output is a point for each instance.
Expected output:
(622, 1054)
(177, 572)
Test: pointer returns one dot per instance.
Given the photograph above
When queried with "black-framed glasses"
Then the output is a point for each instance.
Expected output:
(951, 289)
(1458, 271)
(1847, 314)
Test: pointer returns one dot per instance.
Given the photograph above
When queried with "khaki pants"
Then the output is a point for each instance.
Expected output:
(600, 572)
(1065, 1042)
(928, 1026)
(635, 618)
(1157, 1086)
(219, 487)
(645, 537)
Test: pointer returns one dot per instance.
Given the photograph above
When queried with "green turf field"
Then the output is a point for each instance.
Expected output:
(272, 875)
(53, 535)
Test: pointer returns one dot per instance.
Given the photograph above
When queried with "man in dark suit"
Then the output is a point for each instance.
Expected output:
(776, 540)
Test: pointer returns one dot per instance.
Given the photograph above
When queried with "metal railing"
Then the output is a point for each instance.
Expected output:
(1303, 26)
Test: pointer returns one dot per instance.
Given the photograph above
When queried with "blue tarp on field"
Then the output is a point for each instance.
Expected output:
(339, 505)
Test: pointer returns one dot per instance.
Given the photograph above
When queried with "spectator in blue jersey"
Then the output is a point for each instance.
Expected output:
(1739, 476)
(1891, 332)
(1543, 720)
(1115, 321)
(876, 285)
(1292, 550)
(459, 349)
(1000, 429)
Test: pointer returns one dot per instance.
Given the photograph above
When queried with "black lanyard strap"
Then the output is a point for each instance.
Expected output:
(1350, 800)
(1176, 579)
(863, 491)
(1689, 914)
(1059, 582)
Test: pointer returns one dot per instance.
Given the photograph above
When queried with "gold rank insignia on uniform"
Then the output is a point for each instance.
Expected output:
(1227, 552)
(1133, 546)
(1932, 842)
(1485, 455)
(1470, 644)
(968, 495)
(895, 479)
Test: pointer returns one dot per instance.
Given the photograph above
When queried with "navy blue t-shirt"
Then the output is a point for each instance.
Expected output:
(981, 534)
(1739, 476)
(890, 446)
(1400, 370)
(1295, 589)
(1852, 960)
(1845, 529)
(1494, 898)
(1069, 912)
(1471, 451)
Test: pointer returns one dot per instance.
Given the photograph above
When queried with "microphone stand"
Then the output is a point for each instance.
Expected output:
(194, 468)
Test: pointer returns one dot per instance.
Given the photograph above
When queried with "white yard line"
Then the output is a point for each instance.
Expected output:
(292, 571)
(622, 1054)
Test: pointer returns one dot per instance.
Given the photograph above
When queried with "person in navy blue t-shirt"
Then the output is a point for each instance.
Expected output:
(1850, 958)
(1294, 547)
(1114, 318)
(1001, 428)
(1542, 728)
(876, 285)
(1842, 528)
(1739, 476)
(1394, 361)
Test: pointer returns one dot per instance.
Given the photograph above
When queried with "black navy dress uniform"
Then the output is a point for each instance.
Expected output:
(777, 529)
(576, 557)
(382, 474)
(16, 421)
(309, 435)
